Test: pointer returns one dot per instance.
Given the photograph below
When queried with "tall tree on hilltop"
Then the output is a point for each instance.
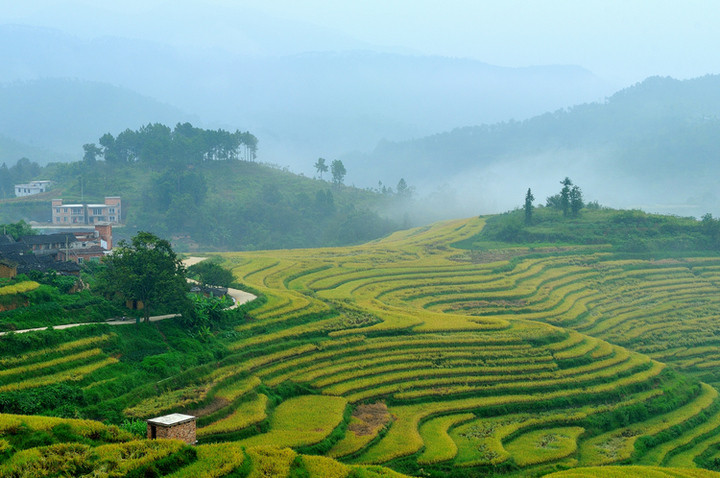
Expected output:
(565, 196)
(91, 152)
(529, 198)
(338, 171)
(321, 167)
(576, 200)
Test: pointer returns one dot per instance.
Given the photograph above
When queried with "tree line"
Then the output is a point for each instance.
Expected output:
(157, 145)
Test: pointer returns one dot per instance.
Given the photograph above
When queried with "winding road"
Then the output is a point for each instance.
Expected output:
(239, 297)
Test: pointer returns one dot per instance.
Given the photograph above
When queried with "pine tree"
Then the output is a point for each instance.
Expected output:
(529, 198)
(565, 196)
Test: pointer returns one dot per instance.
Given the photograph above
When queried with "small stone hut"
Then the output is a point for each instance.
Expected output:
(175, 426)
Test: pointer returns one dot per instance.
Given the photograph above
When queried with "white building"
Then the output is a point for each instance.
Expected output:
(33, 187)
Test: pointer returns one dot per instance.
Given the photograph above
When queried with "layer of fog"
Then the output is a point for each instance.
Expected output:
(502, 186)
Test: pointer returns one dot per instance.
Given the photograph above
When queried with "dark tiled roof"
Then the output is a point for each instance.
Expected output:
(61, 238)
(31, 262)
(13, 248)
(7, 262)
(5, 239)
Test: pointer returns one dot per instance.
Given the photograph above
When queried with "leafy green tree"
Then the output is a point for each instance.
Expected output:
(338, 171)
(109, 150)
(6, 183)
(554, 202)
(91, 152)
(565, 196)
(148, 270)
(711, 229)
(211, 273)
(529, 198)
(17, 229)
(576, 200)
(321, 167)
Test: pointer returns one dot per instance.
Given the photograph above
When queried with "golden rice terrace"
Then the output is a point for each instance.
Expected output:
(432, 360)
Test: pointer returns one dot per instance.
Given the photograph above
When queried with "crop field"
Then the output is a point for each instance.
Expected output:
(421, 357)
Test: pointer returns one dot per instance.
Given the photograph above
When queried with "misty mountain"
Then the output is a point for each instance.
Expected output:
(50, 119)
(306, 105)
(11, 150)
(654, 145)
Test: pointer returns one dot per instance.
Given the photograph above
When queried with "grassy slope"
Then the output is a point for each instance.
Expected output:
(239, 193)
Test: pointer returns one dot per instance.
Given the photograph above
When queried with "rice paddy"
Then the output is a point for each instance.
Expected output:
(410, 353)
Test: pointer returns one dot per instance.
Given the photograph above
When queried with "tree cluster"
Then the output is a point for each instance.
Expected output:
(147, 270)
(157, 145)
(211, 273)
(17, 229)
(337, 170)
(569, 200)
(22, 171)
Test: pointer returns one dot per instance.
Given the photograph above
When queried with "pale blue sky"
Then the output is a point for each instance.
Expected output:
(621, 40)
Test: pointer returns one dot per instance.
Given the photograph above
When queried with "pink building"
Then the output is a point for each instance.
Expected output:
(69, 214)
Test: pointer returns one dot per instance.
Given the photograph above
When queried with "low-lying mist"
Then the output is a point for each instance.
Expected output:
(501, 186)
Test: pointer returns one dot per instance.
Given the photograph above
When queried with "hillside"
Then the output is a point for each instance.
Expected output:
(223, 204)
(651, 145)
(436, 351)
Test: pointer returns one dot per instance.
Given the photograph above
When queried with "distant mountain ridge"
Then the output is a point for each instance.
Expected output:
(656, 142)
(302, 106)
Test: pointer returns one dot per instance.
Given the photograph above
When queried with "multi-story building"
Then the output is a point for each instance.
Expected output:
(33, 187)
(69, 214)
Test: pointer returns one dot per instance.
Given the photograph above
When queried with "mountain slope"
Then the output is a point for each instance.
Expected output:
(61, 115)
(652, 145)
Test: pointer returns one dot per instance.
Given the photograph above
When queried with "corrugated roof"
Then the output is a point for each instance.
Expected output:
(172, 419)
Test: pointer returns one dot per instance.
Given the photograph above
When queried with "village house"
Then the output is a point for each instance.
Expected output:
(61, 252)
(76, 214)
(33, 187)
(176, 426)
(41, 244)
(8, 268)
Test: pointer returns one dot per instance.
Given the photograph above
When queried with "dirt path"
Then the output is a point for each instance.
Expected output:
(192, 260)
(239, 298)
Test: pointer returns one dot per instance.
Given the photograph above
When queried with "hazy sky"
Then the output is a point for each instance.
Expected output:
(621, 40)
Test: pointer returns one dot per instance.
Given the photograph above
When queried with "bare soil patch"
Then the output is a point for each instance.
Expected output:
(371, 417)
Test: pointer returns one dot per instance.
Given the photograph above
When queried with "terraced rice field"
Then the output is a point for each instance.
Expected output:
(411, 353)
